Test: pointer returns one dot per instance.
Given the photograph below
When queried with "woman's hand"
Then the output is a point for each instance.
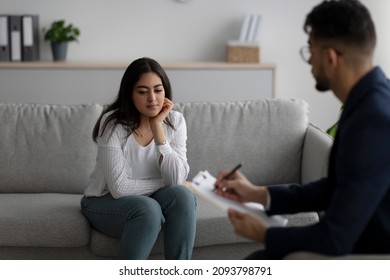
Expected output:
(166, 108)
(157, 121)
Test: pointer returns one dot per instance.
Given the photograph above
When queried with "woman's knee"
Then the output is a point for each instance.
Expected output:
(145, 209)
(178, 197)
(185, 196)
(150, 207)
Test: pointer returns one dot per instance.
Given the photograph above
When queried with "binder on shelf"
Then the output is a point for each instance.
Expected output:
(30, 38)
(245, 28)
(4, 39)
(256, 31)
(254, 28)
(15, 34)
(250, 28)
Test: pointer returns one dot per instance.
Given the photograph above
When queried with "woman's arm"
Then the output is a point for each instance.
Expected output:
(174, 167)
(116, 170)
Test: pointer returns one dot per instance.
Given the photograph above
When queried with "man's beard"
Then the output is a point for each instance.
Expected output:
(322, 83)
(322, 87)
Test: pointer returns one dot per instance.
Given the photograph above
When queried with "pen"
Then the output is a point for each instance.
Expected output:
(227, 176)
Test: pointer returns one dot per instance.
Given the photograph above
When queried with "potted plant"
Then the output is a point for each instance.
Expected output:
(60, 34)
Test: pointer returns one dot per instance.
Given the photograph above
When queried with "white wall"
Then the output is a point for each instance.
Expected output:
(169, 31)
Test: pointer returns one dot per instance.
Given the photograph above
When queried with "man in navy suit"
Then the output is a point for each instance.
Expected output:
(355, 195)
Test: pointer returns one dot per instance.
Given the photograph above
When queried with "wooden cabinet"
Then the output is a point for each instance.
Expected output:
(79, 83)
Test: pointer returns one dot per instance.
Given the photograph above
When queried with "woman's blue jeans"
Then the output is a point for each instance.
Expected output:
(137, 220)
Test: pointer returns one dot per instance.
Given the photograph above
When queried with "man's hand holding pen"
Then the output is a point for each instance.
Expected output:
(234, 185)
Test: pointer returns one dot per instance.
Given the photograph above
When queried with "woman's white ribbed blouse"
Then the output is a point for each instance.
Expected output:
(123, 167)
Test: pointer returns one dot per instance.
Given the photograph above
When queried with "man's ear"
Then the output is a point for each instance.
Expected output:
(333, 57)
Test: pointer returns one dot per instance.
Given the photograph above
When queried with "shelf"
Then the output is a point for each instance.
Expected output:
(120, 65)
(78, 82)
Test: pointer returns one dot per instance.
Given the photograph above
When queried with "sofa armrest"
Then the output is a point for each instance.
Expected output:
(316, 151)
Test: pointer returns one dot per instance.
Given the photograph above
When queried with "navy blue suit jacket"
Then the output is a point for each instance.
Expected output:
(355, 195)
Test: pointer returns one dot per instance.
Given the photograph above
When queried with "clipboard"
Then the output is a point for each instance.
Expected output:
(203, 186)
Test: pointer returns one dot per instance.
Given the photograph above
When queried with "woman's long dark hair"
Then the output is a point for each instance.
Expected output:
(123, 109)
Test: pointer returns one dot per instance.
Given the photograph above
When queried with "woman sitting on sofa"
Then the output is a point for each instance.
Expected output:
(135, 188)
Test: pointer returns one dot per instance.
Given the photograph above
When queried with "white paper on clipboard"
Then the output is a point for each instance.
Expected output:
(203, 186)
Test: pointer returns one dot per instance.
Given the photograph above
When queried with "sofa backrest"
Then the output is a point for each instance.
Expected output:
(46, 148)
(266, 136)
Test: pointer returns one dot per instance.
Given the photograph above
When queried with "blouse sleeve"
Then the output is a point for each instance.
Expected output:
(174, 166)
(116, 170)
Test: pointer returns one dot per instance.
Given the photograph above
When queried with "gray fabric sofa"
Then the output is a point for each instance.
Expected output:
(47, 154)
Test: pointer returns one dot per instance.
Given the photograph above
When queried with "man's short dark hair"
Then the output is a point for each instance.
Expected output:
(346, 21)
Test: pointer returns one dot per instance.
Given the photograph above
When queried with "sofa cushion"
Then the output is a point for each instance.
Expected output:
(42, 220)
(266, 136)
(46, 148)
(212, 228)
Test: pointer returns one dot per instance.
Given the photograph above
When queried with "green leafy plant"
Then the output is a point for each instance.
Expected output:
(333, 129)
(60, 32)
